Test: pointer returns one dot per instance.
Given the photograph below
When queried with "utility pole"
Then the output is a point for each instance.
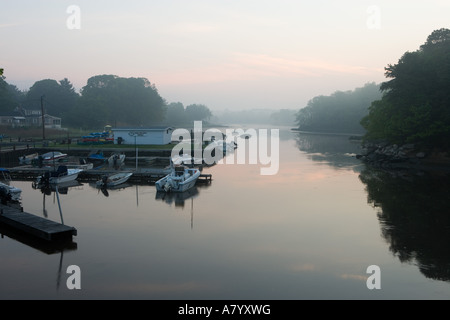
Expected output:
(43, 120)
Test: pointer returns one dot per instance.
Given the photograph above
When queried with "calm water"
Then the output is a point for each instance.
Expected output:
(308, 232)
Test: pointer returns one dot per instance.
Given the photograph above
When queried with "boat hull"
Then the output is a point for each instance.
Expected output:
(114, 180)
(72, 174)
(172, 183)
(13, 193)
(55, 178)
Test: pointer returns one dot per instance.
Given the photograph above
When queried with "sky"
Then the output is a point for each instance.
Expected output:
(225, 54)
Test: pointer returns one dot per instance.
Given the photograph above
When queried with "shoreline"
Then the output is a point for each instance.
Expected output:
(407, 156)
(355, 135)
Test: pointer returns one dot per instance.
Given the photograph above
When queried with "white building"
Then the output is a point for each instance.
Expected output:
(143, 136)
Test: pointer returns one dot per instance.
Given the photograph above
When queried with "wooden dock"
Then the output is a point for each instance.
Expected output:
(141, 176)
(34, 225)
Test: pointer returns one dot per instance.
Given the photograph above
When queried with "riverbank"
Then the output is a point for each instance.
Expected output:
(407, 156)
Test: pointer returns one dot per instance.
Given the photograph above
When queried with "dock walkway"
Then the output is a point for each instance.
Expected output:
(34, 225)
(142, 175)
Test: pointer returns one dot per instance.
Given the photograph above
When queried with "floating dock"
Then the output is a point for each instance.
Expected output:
(34, 225)
(144, 175)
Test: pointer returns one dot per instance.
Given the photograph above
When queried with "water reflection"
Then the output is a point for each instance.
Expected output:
(106, 190)
(59, 246)
(414, 217)
(56, 191)
(63, 188)
(43, 246)
(335, 150)
(177, 198)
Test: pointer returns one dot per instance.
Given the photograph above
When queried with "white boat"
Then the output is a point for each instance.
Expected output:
(61, 175)
(179, 180)
(7, 191)
(48, 158)
(114, 179)
(10, 192)
(116, 160)
(26, 159)
(53, 156)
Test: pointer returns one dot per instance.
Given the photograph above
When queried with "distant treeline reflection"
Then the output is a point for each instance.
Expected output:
(414, 217)
(333, 149)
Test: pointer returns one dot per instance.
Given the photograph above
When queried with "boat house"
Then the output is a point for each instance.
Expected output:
(143, 136)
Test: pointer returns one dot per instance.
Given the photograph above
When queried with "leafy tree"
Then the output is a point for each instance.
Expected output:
(340, 112)
(283, 117)
(415, 106)
(197, 112)
(118, 101)
(59, 97)
(244, 116)
(10, 96)
(175, 114)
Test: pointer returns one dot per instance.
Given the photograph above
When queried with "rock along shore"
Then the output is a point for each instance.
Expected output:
(392, 156)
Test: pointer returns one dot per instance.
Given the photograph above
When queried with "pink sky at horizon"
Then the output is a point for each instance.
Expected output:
(234, 55)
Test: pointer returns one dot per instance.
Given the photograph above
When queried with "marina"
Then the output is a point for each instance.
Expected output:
(147, 175)
(33, 225)
(309, 232)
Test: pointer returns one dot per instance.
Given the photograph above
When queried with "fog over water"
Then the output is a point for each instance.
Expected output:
(308, 232)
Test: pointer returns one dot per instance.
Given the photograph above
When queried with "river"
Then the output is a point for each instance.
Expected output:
(313, 230)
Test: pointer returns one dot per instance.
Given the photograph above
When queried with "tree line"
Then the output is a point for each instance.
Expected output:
(282, 117)
(340, 112)
(413, 106)
(105, 99)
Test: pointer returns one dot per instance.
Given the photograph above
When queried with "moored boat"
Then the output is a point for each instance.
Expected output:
(53, 156)
(7, 191)
(116, 160)
(114, 179)
(48, 158)
(97, 158)
(61, 175)
(180, 179)
(27, 159)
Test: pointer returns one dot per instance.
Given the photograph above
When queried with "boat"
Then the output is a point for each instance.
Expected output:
(180, 179)
(114, 179)
(26, 159)
(7, 191)
(97, 158)
(48, 158)
(10, 193)
(81, 165)
(116, 160)
(61, 175)
(53, 156)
